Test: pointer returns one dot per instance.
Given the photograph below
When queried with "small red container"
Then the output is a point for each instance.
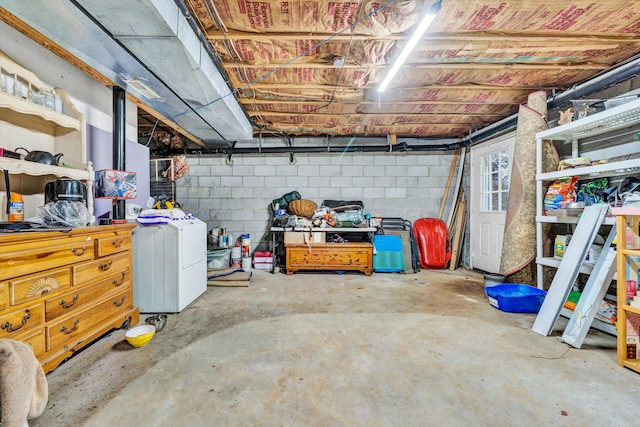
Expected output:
(631, 288)
(9, 154)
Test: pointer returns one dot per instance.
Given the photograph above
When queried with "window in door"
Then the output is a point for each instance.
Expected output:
(495, 181)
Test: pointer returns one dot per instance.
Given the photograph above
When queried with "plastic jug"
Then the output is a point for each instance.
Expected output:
(16, 207)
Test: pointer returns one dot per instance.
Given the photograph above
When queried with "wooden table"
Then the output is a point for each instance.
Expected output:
(356, 256)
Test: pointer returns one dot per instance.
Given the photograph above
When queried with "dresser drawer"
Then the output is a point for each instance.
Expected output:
(100, 268)
(78, 299)
(112, 245)
(21, 262)
(3, 296)
(60, 331)
(27, 288)
(36, 340)
(17, 322)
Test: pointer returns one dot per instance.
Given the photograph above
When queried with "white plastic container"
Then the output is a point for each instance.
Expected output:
(218, 259)
(491, 279)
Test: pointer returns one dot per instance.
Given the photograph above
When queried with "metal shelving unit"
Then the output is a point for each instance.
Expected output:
(618, 118)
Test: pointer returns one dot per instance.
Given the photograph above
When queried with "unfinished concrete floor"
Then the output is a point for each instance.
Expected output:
(345, 350)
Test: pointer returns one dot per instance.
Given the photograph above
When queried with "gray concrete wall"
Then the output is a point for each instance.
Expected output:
(238, 196)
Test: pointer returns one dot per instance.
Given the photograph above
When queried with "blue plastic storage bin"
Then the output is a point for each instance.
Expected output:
(516, 298)
(388, 256)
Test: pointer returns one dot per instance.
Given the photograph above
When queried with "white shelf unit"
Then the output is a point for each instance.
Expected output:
(25, 123)
(616, 119)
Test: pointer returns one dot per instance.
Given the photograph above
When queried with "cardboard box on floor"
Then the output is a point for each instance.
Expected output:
(304, 237)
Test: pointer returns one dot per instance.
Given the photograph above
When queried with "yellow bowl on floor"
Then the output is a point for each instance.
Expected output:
(140, 335)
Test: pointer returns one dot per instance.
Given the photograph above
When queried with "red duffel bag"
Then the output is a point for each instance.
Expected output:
(434, 245)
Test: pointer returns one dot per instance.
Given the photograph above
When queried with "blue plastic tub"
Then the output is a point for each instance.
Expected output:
(516, 298)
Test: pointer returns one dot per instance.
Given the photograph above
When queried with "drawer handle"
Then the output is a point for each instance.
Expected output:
(117, 243)
(64, 304)
(79, 252)
(9, 327)
(116, 283)
(105, 267)
(66, 331)
(121, 302)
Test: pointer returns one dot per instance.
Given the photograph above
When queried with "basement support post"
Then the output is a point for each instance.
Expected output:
(119, 136)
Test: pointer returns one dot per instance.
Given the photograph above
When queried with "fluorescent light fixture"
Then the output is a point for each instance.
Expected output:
(415, 38)
(141, 88)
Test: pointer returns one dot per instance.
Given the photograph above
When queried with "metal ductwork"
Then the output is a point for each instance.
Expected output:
(152, 51)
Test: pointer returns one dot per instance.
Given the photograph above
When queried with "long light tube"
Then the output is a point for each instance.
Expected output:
(413, 41)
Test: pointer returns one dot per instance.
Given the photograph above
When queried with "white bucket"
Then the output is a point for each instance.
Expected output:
(236, 252)
(491, 279)
(246, 264)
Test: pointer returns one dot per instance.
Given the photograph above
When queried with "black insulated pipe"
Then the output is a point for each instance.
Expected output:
(396, 148)
(119, 151)
(598, 83)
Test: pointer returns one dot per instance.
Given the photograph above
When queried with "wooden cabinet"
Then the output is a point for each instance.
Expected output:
(628, 299)
(59, 291)
(26, 121)
(282, 238)
(356, 256)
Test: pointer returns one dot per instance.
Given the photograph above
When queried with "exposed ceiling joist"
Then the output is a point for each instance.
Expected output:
(426, 66)
(370, 103)
(433, 39)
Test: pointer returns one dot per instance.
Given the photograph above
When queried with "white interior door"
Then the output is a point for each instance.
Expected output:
(490, 176)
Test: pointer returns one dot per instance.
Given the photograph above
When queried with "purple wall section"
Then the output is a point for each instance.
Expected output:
(99, 151)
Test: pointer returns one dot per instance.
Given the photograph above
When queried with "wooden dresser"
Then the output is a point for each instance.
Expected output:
(59, 291)
(356, 256)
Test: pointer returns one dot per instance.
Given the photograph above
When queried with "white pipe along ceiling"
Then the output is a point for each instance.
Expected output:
(151, 43)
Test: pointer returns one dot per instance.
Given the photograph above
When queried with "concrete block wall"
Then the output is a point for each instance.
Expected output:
(238, 196)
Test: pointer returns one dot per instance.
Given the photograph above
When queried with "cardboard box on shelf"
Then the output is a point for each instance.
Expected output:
(560, 245)
(303, 237)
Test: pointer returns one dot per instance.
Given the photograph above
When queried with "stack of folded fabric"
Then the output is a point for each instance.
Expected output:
(228, 277)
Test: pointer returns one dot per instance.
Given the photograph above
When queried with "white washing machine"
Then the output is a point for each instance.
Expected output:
(169, 265)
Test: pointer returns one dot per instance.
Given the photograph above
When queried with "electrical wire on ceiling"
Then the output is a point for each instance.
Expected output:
(343, 62)
(228, 45)
(155, 125)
